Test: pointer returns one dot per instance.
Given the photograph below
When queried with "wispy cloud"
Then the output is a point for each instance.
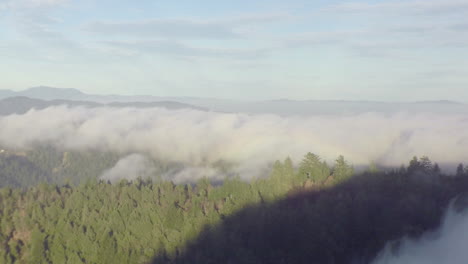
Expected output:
(183, 28)
(462, 27)
(39, 36)
(358, 33)
(384, 38)
(175, 48)
(178, 37)
(30, 4)
(389, 28)
(430, 7)
(168, 28)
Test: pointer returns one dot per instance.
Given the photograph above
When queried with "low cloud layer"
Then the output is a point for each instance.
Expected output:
(130, 167)
(200, 141)
(447, 245)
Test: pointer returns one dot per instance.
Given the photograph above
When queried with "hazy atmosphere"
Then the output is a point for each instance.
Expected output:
(239, 50)
(201, 132)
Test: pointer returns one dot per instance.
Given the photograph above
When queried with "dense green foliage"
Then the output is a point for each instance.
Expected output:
(132, 222)
(45, 164)
(347, 223)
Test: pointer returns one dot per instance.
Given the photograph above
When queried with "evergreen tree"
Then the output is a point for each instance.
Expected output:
(342, 170)
(436, 169)
(402, 170)
(288, 167)
(312, 168)
(414, 165)
(37, 247)
(373, 168)
(426, 164)
(460, 170)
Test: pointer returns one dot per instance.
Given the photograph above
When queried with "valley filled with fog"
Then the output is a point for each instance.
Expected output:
(206, 163)
(202, 143)
(231, 132)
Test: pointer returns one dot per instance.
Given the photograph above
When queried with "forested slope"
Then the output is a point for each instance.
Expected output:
(310, 214)
(45, 164)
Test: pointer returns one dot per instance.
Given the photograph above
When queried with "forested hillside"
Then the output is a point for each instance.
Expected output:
(234, 132)
(45, 164)
(309, 213)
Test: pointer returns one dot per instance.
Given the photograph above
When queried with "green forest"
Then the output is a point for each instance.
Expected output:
(309, 212)
(46, 164)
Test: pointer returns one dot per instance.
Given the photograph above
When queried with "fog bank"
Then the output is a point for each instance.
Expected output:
(130, 167)
(247, 143)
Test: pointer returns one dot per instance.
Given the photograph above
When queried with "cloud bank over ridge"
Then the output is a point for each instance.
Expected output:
(249, 143)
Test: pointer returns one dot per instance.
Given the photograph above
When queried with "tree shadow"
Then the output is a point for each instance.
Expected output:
(347, 223)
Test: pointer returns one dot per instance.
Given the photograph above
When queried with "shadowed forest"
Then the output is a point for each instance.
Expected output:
(309, 213)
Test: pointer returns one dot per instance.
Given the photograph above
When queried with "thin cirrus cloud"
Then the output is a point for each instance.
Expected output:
(27, 4)
(172, 37)
(460, 27)
(163, 28)
(430, 7)
(384, 38)
(318, 39)
(399, 25)
(175, 48)
(228, 28)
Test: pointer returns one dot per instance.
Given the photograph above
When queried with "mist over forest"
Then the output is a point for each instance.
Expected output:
(169, 132)
(199, 143)
(232, 132)
(170, 182)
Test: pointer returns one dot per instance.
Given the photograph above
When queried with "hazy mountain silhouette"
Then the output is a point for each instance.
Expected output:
(21, 104)
(52, 93)
(282, 107)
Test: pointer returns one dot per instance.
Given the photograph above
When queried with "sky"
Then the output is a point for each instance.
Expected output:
(258, 49)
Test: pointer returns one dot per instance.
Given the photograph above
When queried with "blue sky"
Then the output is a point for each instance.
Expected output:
(354, 50)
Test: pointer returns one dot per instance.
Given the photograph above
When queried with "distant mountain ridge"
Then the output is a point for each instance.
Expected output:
(282, 107)
(53, 93)
(22, 104)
